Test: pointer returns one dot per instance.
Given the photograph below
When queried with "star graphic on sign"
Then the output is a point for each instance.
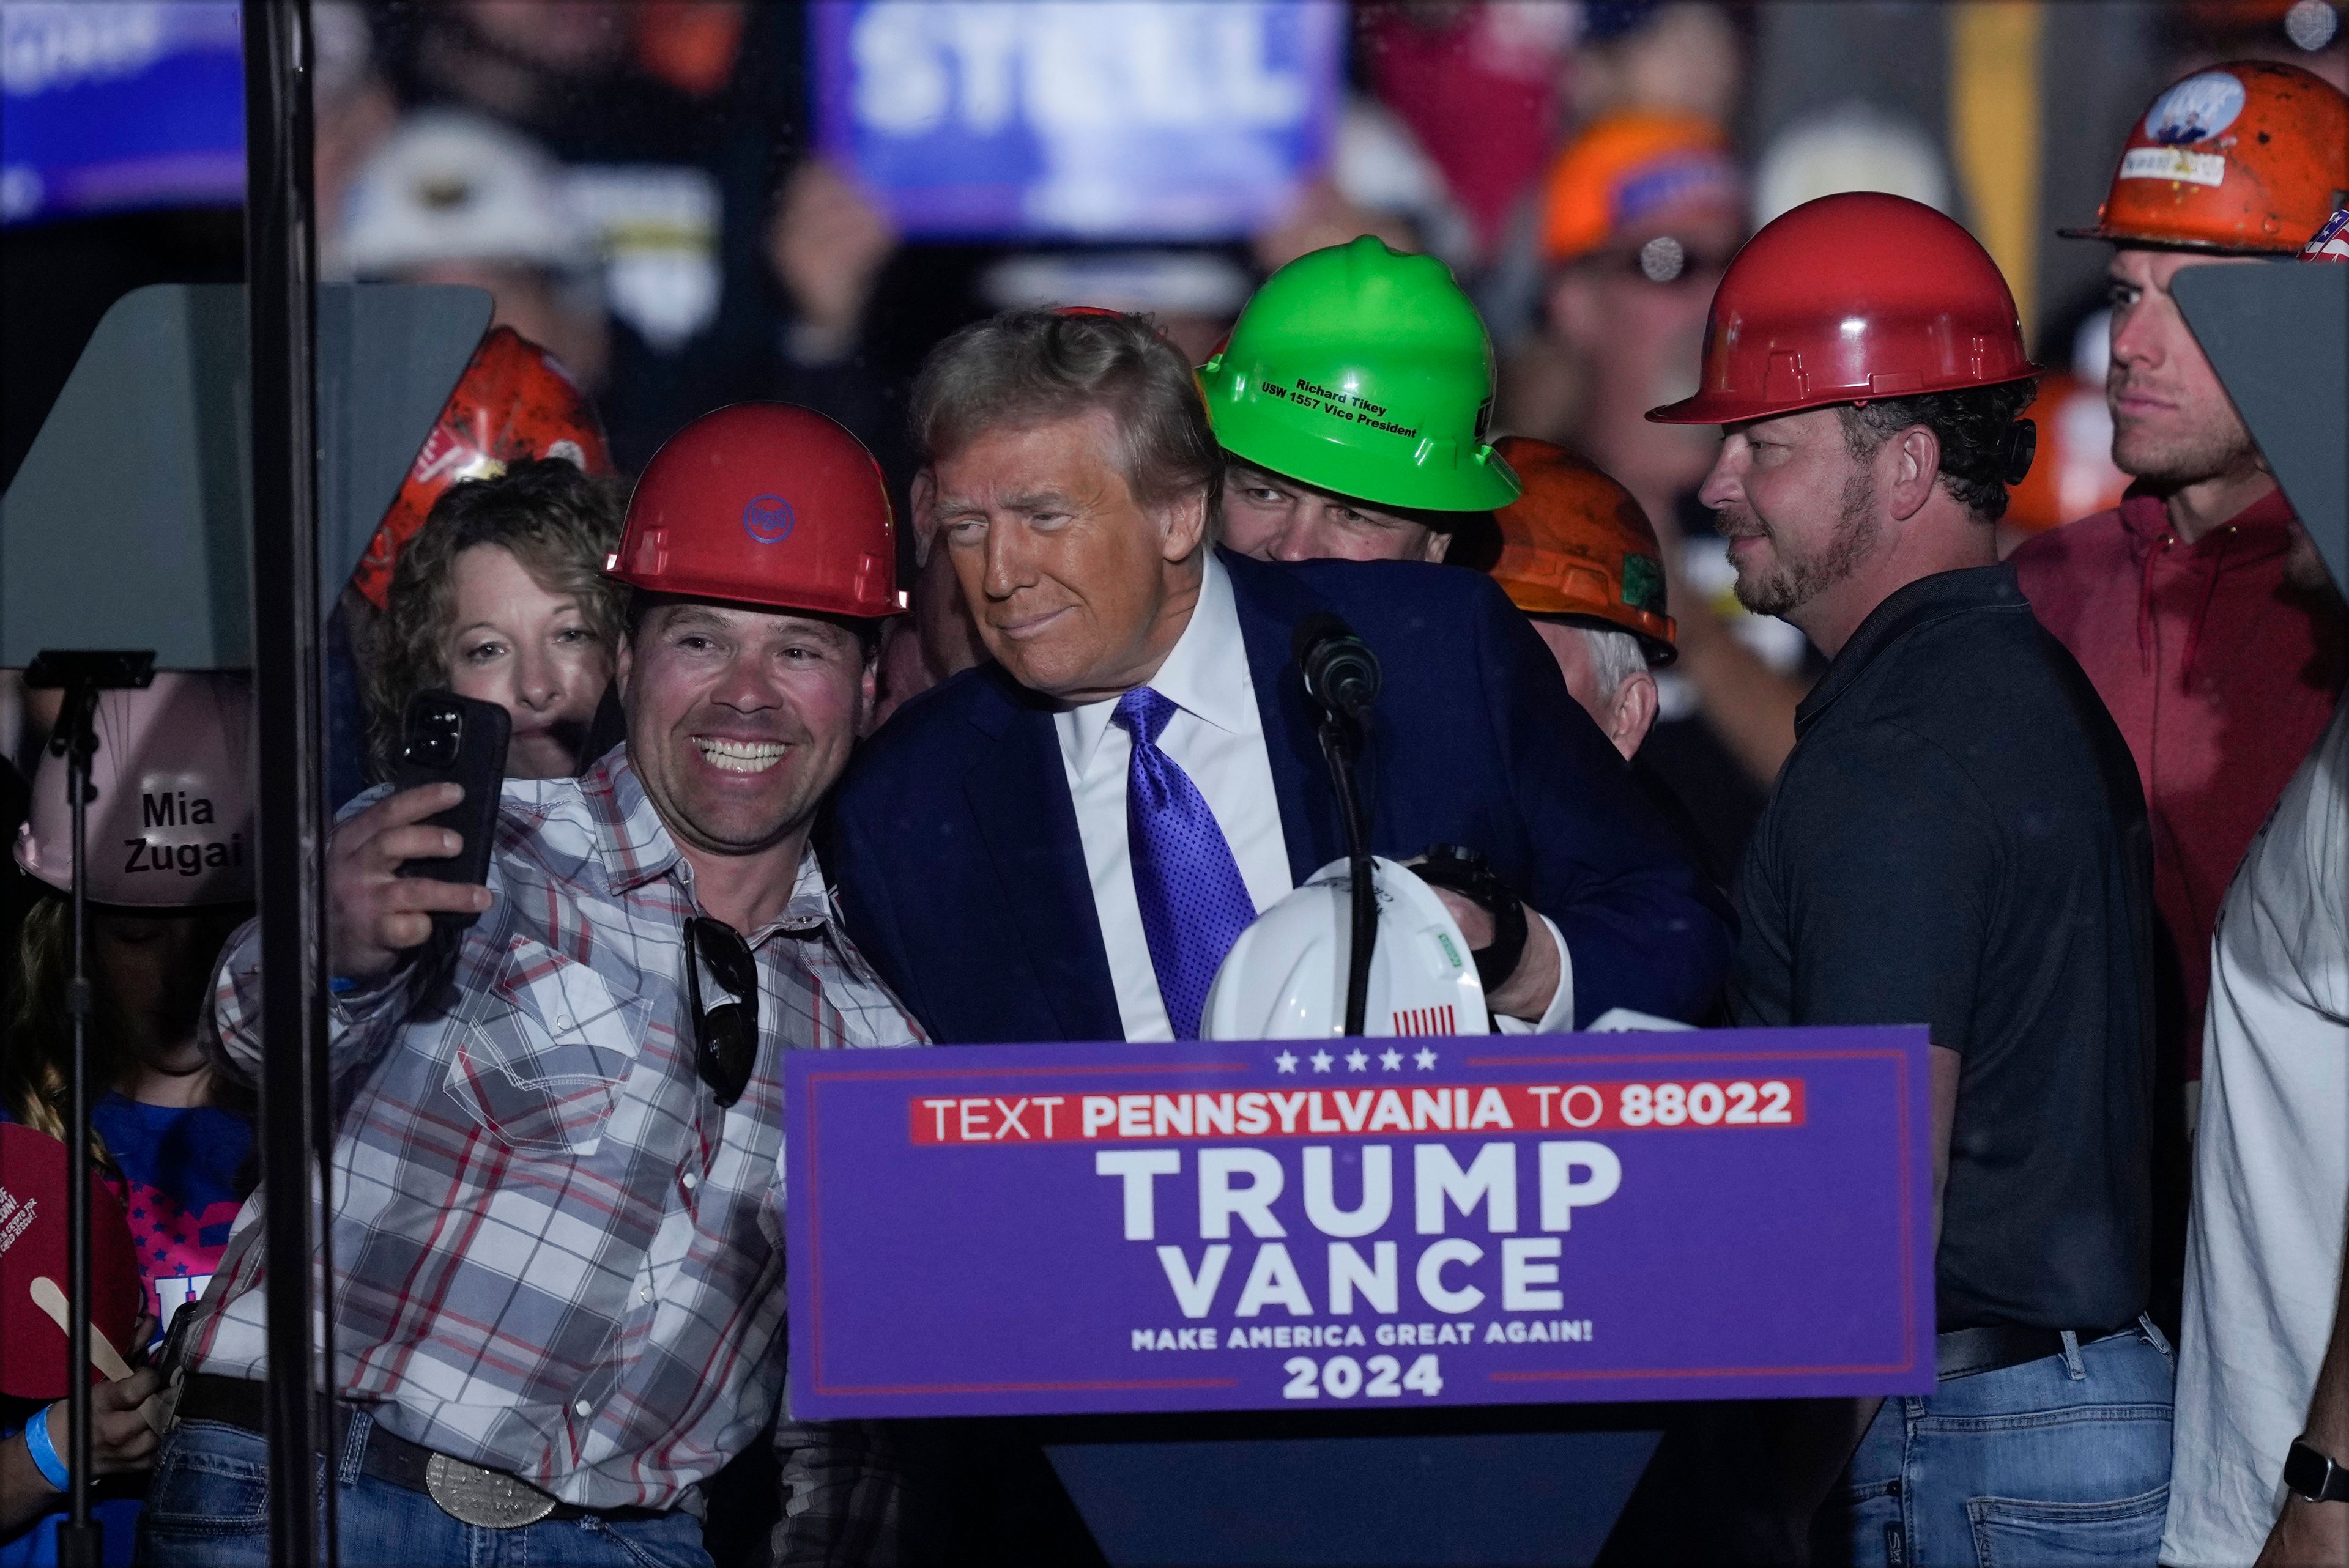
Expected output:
(1356, 1061)
(1320, 1061)
(1286, 1061)
(1390, 1059)
(1426, 1060)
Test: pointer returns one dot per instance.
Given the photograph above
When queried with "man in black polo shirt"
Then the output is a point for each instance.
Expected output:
(1958, 839)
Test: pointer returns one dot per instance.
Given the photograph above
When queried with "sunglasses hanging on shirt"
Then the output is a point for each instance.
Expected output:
(721, 990)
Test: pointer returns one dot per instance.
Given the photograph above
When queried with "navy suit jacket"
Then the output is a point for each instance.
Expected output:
(954, 841)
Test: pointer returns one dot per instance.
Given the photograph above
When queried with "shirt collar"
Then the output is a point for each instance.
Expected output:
(1902, 612)
(811, 907)
(631, 840)
(1206, 674)
(2144, 515)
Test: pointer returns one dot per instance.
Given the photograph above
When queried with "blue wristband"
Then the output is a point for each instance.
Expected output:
(44, 1452)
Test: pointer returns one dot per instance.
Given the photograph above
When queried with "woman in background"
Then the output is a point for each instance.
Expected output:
(501, 595)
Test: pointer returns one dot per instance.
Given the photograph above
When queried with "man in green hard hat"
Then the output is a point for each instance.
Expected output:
(1350, 404)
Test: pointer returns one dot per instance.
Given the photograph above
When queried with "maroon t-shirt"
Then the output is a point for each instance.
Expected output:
(2220, 673)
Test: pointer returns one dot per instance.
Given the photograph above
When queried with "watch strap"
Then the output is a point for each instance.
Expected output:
(1464, 871)
(2314, 1474)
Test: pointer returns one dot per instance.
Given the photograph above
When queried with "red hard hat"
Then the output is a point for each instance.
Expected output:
(1850, 298)
(764, 503)
(514, 402)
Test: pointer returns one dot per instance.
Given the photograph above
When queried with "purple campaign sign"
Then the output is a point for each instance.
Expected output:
(1210, 1226)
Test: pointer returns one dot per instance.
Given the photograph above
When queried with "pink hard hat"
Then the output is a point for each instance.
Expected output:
(171, 821)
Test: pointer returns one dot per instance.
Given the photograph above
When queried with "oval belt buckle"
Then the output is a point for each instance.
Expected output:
(471, 1495)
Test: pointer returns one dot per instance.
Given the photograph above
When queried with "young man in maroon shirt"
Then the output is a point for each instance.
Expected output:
(2199, 606)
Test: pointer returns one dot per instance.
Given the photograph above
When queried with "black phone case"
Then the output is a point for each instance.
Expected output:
(477, 761)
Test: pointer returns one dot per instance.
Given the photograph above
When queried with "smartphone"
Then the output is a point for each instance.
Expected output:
(445, 739)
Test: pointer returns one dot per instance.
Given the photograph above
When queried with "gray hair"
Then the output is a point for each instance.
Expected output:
(1034, 367)
(1615, 657)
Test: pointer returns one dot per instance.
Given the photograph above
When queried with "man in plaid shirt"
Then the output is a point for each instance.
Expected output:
(558, 1194)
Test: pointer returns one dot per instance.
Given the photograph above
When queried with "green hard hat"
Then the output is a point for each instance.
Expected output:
(1364, 371)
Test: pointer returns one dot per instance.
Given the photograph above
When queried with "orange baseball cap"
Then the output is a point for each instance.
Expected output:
(1626, 166)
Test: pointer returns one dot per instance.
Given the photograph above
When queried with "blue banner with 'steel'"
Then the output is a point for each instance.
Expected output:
(1013, 119)
(107, 108)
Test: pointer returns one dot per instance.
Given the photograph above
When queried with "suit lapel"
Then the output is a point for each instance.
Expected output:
(1270, 604)
(1019, 794)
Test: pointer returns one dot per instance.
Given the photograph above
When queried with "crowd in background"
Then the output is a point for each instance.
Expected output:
(638, 187)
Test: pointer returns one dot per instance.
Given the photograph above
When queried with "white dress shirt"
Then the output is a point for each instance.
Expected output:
(2271, 1170)
(1216, 736)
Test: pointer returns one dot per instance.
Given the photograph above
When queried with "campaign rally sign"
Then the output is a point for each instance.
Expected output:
(105, 108)
(1149, 118)
(1489, 1219)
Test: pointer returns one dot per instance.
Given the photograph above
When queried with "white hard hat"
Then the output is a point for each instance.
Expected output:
(1285, 978)
(451, 186)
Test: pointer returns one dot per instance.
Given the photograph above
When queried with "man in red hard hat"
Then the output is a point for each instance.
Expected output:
(1956, 839)
(2199, 605)
(558, 1266)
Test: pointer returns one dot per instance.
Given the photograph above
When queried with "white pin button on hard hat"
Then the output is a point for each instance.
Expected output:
(1285, 978)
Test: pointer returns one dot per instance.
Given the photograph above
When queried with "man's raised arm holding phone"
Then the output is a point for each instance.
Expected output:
(556, 1222)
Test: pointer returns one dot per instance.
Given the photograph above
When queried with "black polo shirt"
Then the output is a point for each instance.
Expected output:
(1959, 840)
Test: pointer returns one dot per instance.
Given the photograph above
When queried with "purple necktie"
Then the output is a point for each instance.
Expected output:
(1194, 903)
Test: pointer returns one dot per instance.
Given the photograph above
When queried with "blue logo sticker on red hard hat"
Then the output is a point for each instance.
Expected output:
(2196, 110)
(767, 519)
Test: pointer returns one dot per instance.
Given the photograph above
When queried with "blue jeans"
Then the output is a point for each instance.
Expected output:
(2059, 1462)
(208, 1507)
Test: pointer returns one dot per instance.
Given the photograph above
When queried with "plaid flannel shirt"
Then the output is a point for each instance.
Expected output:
(554, 1254)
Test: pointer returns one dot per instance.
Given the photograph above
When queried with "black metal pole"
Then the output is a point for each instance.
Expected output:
(78, 1541)
(280, 247)
(1339, 744)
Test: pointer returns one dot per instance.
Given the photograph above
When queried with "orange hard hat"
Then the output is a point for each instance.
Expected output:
(1850, 298)
(2072, 475)
(764, 503)
(1576, 544)
(2245, 159)
(514, 403)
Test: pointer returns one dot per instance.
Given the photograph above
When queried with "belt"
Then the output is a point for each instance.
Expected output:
(468, 1492)
(1963, 1352)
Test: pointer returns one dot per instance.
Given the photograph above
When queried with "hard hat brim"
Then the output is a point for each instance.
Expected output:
(672, 585)
(1721, 408)
(2152, 242)
(1484, 482)
(1658, 646)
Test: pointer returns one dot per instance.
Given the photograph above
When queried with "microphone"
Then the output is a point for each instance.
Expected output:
(1342, 674)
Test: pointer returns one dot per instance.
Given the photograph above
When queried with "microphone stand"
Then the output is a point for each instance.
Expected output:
(82, 676)
(1340, 742)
